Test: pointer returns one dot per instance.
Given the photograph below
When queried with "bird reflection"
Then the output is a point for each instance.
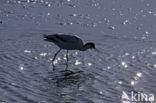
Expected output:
(66, 69)
(65, 78)
(68, 78)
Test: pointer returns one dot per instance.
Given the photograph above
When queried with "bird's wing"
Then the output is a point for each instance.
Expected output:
(65, 41)
(68, 38)
(60, 37)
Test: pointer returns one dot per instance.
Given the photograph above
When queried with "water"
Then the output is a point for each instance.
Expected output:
(124, 32)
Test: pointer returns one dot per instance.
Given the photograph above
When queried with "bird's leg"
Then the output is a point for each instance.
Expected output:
(67, 60)
(55, 57)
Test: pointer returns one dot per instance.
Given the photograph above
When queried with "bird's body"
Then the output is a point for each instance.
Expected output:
(68, 42)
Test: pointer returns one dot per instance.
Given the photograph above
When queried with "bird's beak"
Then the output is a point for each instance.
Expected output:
(96, 49)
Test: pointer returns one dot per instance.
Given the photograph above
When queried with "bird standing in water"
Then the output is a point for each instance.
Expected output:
(68, 42)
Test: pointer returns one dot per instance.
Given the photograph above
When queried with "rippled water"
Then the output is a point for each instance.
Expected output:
(123, 30)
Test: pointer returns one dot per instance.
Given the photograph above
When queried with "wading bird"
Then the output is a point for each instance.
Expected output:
(68, 42)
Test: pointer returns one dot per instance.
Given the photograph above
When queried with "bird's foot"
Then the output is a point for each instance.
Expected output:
(54, 67)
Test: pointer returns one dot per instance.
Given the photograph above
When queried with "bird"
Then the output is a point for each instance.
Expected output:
(67, 41)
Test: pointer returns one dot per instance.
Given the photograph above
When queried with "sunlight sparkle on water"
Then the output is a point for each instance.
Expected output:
(132, 83)
(55, 62)
(123, 64)
(139, 74)
(58, 58)
(21, 66)
(120, 82)
(89, 64)
(143, 37)
(77, 62)
(108, 67)
(126, 54)
(112, 27)
(36, 57)
(27, 51)
(68, 0)
(74, 15)
(19, 2)
(28, 1)
(101, 92)
(43, 54)
(47, 4)
(146, 32)
(48, 14)
(76, 53)
(133, 57)
(64, 57)
(125, 22)
(154, 53)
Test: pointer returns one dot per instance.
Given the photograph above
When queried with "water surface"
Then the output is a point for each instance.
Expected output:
(124, 32)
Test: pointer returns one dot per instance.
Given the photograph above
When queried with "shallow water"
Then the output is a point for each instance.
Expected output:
(123, 31)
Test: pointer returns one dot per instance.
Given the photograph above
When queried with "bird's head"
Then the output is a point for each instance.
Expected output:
(89, 45)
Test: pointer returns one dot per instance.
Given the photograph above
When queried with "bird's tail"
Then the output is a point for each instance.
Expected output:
(45, 36)
(48, 38)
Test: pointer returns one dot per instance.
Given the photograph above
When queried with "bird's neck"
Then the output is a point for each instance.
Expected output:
(85, 48)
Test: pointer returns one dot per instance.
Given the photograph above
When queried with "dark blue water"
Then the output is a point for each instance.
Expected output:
(123, 30)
